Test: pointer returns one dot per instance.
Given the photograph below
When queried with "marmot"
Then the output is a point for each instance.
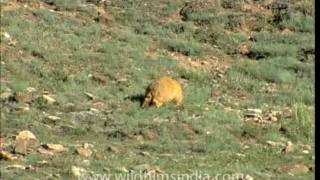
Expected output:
(163, 90)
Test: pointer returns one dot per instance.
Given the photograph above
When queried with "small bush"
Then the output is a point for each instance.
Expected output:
(186, 48)
(302, 124)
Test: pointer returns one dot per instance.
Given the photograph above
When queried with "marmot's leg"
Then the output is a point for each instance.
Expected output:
(178, 99)
(147, 101)
(157, 103)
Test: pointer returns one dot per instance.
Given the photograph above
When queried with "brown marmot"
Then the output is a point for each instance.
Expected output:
(161, 91)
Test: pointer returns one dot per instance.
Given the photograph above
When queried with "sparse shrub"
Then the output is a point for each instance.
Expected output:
(299, 23)
(280, 10)
(184, 47)
(65, 4)
(199, 11)
(234, 21)
(306, 7)
(230, 4)
(302, 123)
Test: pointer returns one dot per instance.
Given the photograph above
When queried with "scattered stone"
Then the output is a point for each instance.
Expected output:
(54, 118)
(42, 163)
(22, 109)
(90, 96)
(253, 111)
(286, 31)
(144, 153)
(86, 162)
(305, 152)
(6, 35)
(269, 88)
(16, 166)
(256, 115)
(48, 99)
(272, 143)
(122, 79)
(56, 148)
(31, 89)
(288, 148)
(113, 149)
(94, 110)
(240, 155)
(85, 152)
(123, 169)
(77, 171)
(5, 95)
(248, 177)
(7, 156)
(88, 145)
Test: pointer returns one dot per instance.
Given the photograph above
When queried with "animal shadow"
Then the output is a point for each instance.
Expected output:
(136, 98)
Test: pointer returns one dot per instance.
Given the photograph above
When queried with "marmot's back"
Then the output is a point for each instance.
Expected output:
(162, 91)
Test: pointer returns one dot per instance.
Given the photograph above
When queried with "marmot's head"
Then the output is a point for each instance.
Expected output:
(147, 100)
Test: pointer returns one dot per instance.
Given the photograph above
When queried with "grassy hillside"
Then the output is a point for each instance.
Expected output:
(247, 70)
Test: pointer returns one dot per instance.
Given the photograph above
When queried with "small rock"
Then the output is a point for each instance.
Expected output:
(85, 152)
(286, 31)
(5, 95)
(16, 166)
(254, 111)
(94, 110)
(41, 163)
(7, 156)
(88, 145)
(272, 118)
(69, 105)
(305, 152)
(272, 143)
(89, 95)
(240, 155)
(6, 35)
(86, 162)
(54, 118)
(48, 99)
(113, 149)
(144, 153)
(31, 89)
(56, 148)
(77, 171)
(248, 177)
(288, 147)
(123, 169)
(23, 108)
(122, 79)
